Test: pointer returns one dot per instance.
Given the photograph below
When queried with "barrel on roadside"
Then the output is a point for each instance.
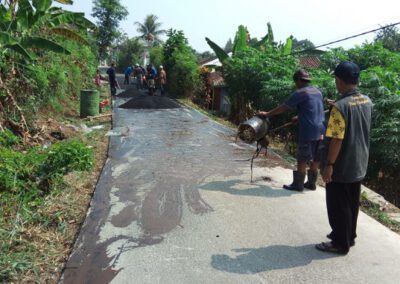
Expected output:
(90, 100)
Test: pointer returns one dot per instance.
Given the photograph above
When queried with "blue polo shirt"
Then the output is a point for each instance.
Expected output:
(309, 104)
(128, 71)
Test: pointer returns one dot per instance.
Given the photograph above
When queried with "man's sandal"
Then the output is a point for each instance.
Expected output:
(352, 242)
(329, 247)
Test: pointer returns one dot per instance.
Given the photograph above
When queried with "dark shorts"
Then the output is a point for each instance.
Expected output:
(309, 151)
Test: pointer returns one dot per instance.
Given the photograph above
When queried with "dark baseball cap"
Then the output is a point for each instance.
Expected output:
(348, 71)
(301, 74)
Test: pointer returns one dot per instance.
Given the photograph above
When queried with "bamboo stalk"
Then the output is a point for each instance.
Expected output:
(97, 116)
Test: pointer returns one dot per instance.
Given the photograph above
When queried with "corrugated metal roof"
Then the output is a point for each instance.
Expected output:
(215, 61)
(216, 79)
(310, 61)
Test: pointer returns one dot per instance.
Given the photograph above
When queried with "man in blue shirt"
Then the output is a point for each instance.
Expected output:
(151, 75)
(308, 102)
(128, 72)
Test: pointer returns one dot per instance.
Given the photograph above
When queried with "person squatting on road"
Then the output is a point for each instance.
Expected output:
(344, 163)
(309, 104)
(98, 79)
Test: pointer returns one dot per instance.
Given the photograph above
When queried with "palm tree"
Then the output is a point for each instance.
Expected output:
(150, 29)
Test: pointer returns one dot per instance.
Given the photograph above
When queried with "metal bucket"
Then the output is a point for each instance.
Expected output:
(253, 130)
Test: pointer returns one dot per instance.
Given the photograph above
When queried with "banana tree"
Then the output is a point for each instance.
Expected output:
(241, 43)
(241, 40)
(29, 26)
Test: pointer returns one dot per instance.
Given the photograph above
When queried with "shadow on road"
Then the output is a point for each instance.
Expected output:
(255, 260)
(231, 186)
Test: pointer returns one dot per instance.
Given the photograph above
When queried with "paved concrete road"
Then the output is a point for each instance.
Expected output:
(174, 204)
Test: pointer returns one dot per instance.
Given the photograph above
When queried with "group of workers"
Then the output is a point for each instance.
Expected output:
(147, 78)
(339, 149)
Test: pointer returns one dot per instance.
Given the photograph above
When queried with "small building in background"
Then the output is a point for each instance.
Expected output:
(219, 93)
(216, 86)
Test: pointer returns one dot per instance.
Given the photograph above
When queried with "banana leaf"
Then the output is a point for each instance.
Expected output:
(268, 39)
(219, 52)
(69, 34)
(19, 49)
(287, 49)
(42, 5)
(270, 34)
(5, 14)
(69, 2)
(65, 17)
(42, 43)
(240, 42)
(25, 11)
(7, 39)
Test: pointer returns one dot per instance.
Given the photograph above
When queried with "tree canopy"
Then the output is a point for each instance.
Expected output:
(109, 13)
(150, 29)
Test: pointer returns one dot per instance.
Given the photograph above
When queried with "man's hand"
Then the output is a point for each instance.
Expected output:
(330, 102)
(327, 175)
(262, 114)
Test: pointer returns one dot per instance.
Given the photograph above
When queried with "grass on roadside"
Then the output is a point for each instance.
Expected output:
(222, 120)
(373, 210)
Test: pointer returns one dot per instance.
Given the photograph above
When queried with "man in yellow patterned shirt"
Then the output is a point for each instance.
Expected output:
(345, 163)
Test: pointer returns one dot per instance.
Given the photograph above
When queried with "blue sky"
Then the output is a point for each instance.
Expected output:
(317, 20)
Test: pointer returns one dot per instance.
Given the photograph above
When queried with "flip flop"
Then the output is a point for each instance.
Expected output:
(329, 247)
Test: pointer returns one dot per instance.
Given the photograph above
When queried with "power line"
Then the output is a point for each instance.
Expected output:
(347, 38)
(357, 35)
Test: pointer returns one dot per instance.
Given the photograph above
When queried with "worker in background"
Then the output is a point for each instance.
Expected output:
(128, 72)
(112, 79)
(151, 74)
(162, 77)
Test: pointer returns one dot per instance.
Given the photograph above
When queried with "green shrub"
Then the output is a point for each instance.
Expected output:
(157, 56)
(7, 138)
(35, 171)
(184, 77)
(18, 171)
(385, 137)
(65, 157)
(181, 65)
